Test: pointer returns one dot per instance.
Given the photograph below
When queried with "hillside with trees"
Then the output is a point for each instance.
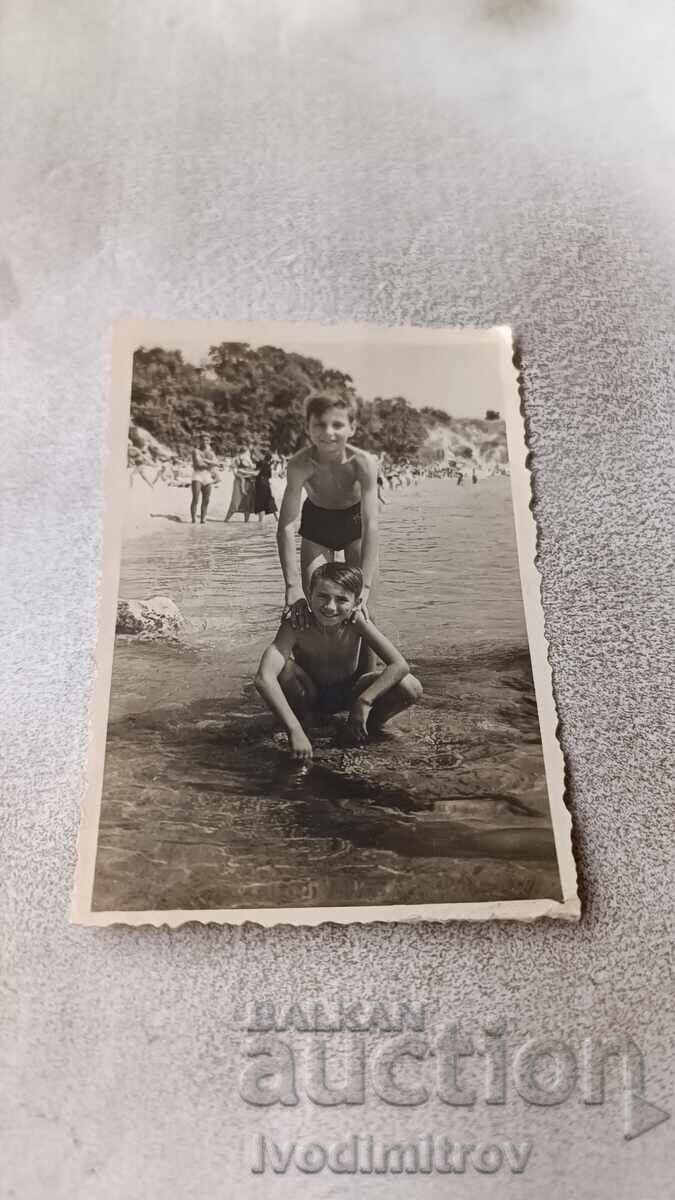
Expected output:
(254, 397)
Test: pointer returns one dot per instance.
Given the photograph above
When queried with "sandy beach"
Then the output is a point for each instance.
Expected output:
(148, 506)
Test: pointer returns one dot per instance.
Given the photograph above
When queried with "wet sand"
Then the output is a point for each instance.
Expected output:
(202, 807)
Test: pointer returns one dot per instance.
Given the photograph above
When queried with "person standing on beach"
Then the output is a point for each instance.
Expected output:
(136, 462)
(243, 487)
(203, 464)
(168, 471)
(340, 511)
(264, 501)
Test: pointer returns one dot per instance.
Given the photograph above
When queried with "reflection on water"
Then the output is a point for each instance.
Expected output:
(202, 808)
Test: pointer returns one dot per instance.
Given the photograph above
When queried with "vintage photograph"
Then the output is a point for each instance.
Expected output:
(317, 698)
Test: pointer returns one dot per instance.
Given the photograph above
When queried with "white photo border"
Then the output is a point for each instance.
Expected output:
(128, 335)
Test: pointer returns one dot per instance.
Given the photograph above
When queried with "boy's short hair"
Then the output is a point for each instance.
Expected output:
(349, 578)
(317, 403)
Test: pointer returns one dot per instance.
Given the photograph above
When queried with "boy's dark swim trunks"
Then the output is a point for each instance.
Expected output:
(333, 528)
(336, 697)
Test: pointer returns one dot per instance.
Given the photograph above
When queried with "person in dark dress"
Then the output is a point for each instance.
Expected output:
(264, 501)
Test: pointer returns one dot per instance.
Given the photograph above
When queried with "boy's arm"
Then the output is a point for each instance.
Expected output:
(288, 516)
(369, 523)
(267, 684)
(395, 669)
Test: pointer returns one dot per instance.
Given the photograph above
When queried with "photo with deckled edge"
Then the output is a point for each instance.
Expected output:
(205, 805)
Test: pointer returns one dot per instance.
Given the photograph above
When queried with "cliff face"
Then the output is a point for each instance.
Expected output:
(149, 448)
(476, 443)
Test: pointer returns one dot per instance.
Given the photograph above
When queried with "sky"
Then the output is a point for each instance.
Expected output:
(463, 380)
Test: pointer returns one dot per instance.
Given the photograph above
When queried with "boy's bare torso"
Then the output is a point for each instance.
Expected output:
(333, 485)
(329, 658)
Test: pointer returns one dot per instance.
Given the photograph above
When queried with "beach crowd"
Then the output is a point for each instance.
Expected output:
(252, 470)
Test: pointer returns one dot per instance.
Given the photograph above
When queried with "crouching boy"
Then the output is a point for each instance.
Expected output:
(321, 669)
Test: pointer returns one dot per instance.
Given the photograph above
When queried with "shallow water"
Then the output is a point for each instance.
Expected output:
(202, 807)
(448, 569)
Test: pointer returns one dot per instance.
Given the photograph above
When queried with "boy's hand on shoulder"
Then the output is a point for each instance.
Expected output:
(297, 610)
(361, 609)
(301, 747)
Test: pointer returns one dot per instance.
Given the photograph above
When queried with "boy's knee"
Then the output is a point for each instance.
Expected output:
(305, 691)
(411, 689)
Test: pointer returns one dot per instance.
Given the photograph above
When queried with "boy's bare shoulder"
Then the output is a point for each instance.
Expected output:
(364, 461)
(301, 462)
(364, 627)
(286, 637)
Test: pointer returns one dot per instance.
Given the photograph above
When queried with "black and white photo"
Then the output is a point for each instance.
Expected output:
(323, 688)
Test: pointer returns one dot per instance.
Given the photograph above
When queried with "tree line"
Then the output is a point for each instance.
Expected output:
(247, 397)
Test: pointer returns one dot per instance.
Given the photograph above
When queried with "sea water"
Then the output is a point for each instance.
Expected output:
(202, 807)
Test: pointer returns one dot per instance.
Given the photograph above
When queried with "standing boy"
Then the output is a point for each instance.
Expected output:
(340, 511)
(203, 463)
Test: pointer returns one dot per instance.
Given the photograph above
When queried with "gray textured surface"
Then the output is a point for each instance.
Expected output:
(401, 163)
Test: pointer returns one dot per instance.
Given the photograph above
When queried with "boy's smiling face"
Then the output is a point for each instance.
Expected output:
(331, 431)
(331, 603)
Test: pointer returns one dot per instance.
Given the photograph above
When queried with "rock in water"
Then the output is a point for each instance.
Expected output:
(158, 617)
(129, 617)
